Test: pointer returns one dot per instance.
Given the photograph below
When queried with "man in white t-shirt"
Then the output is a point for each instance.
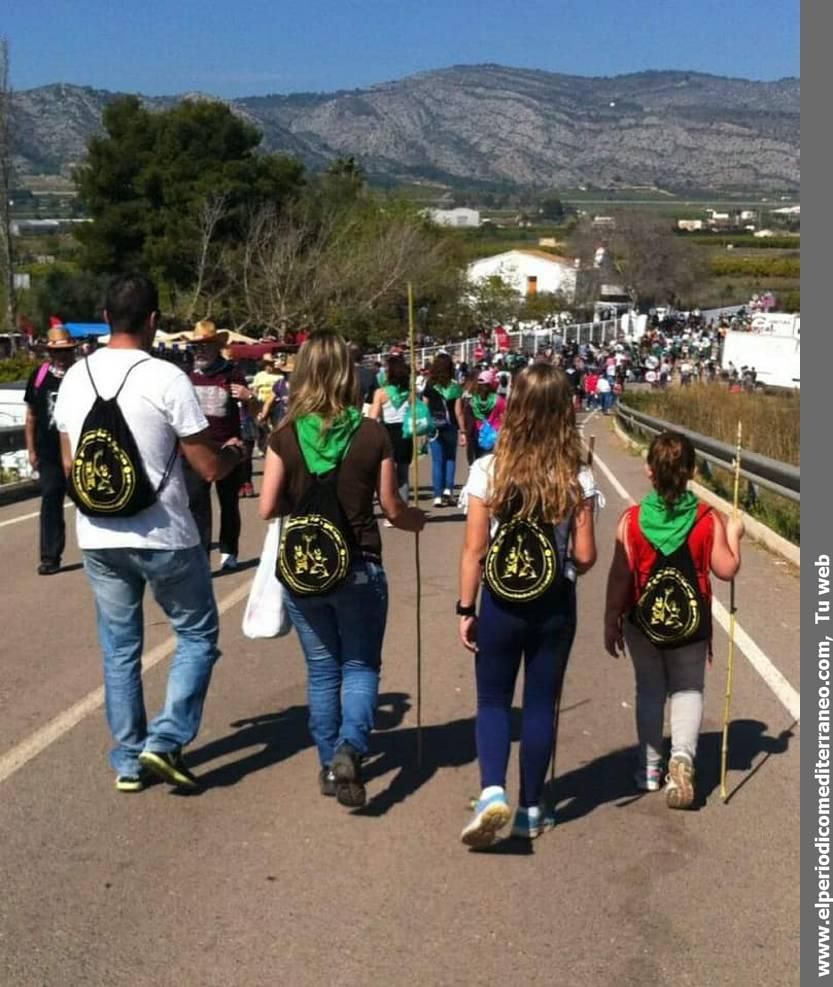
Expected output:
(158, 547)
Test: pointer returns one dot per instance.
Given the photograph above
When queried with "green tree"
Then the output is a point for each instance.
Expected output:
(146, 181)
(552, 209)
(494, 301)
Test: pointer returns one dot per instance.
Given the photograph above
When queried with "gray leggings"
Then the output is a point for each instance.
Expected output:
(660, 674)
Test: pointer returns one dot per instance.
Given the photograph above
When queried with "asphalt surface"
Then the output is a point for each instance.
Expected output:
(260, 880)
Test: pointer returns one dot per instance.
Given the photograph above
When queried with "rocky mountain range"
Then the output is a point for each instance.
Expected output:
(492, 125)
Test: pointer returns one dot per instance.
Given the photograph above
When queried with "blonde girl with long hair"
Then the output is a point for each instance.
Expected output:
(535, 474)
(341, 633)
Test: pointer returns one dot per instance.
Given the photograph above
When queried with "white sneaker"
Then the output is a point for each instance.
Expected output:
(438, 502)
(679, 785)
(228, 563)
(386, 524)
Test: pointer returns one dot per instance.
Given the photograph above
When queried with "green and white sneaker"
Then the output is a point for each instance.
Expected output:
(169, 766)
(132, 783)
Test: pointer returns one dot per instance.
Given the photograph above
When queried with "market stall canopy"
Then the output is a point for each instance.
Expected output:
(233, 337)
(80, 330)
(256, 351)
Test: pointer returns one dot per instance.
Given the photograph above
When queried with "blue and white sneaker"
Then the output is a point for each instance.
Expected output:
(530, 822)
(491, 814)
(649, 779)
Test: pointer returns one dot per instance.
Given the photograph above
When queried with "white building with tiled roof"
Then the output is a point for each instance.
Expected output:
(530, 272)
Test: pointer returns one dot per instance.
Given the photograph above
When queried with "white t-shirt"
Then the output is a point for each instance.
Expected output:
(161, 407)
(480, 481)
(603, 386)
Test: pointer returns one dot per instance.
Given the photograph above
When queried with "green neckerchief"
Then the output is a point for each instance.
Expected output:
(324, 449)
(667, 528)
(450, 391)
(483, 407)
(396, 395)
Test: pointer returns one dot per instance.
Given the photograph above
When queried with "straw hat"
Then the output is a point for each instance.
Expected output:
(206, 332)
(59, 338)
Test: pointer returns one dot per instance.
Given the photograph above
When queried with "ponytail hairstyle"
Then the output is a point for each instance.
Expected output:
(672, 462)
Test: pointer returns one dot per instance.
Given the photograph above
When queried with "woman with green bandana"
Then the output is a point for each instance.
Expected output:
(341, 633)
(669, 532)
(443, 395)
(390, 406)
(487, 408)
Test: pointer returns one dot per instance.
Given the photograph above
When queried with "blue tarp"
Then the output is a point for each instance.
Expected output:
(81, 329)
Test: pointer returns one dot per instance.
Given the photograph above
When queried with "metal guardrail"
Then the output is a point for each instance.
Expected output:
(781, 478)
(526, 340)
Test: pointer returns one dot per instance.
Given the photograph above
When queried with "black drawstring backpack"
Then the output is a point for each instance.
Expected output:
(317, 543)
(526, 558)
(108, 477)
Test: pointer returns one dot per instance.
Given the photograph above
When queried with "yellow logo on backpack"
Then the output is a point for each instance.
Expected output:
(103, 476)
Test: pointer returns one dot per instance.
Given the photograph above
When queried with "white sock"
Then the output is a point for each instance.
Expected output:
(491, 790)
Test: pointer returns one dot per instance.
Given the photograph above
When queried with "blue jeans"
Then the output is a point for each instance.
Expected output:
(542, 633)
(341, 636)
(444, 459)
(180, 581)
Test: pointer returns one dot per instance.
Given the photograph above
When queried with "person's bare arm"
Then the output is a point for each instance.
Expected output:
(29, 432)
(377, 404)
(475, 545)
(66, 454)
(725, 560)
(394, 507)
(272, 485)
(266, 410)
(460, 416)
(584, 536)
(208, 458)
(618, 592)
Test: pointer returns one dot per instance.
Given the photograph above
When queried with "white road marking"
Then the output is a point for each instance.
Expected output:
(60, 725)
(28, 517)
(617, 486)
(763, 665)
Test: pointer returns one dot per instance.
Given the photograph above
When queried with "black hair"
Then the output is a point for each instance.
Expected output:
(129, 302)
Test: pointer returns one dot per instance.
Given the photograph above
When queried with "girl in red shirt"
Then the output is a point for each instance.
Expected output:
(666, 519)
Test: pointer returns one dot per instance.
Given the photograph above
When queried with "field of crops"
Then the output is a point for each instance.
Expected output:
(771, 422)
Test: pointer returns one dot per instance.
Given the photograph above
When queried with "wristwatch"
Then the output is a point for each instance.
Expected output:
(469, 611)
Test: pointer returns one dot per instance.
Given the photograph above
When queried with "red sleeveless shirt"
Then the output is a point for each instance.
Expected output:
(641, 553)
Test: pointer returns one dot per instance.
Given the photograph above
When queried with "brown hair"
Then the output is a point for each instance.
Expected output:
(442, 370)
(672, 461)
(324, 381)
(538, 455)
(397, 373)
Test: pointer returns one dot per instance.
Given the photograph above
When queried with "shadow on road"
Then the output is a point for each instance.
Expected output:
(275, 737)
(610, 778)
(444, 745)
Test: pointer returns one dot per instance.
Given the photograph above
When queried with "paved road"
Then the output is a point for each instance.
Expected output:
(259, 880)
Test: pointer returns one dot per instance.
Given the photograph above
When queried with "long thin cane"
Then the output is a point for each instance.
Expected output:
(415, 493)
(730, 669)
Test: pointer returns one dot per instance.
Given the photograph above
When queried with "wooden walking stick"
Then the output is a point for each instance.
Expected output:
(730, 668)
(415, 495)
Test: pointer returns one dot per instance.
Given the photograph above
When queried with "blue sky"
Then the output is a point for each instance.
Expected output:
(252, 47)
